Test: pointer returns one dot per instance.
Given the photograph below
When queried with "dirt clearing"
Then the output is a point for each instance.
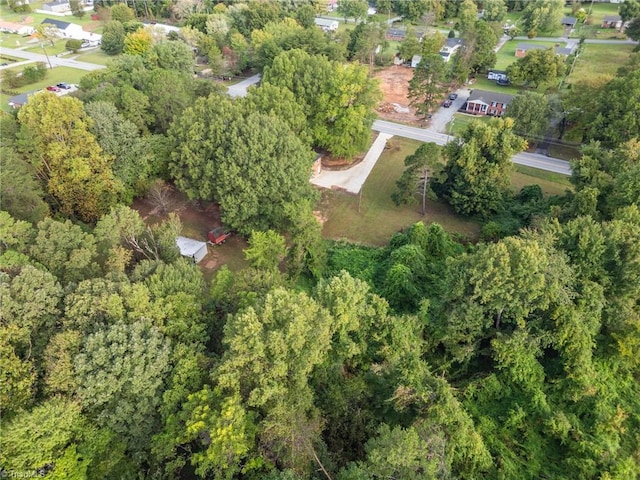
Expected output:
(394, 83)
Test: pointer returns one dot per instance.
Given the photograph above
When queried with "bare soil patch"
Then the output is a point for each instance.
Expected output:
(197, 219)
(394, 83)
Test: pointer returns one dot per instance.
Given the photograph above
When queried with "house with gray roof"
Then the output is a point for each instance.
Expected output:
(481, 102)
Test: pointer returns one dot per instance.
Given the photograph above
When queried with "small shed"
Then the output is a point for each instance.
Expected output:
(191, 248)
(569, 21)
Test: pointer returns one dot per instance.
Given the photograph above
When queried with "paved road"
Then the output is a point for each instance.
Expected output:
(576, 40)
(542, 162)
(55, 61)
(240, 89)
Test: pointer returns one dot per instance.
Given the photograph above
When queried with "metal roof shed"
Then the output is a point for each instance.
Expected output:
(192, 248)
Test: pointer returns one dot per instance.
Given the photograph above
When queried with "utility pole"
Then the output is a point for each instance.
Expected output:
(46, 55)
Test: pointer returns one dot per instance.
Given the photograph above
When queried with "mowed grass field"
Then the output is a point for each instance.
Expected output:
(372, 217)
(54, 76)
(599, 59)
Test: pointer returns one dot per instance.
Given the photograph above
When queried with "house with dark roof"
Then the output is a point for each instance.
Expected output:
(569, 22)
(20, 100)
(481, 102)
(450, 47)
(399, 34)
(611, 21)
(71, 30)
(523, 48)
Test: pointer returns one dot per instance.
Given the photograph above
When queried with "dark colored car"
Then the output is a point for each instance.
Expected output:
(503, 82)
(453, 96)
(447, 104)
(53, 88)
(63, 85)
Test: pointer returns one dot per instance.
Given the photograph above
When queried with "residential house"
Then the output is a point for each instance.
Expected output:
(523, 48)
(398, 34)
(612, 21)
(20, 29)
(326, 24)
(72, 30)
(57, 6)
(332, 5)
(20, 100)
(569, 22)
(450, 47)
(481, 102)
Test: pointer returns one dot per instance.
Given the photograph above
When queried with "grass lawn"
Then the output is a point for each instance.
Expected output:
(54, 76)
(94, 56)
(483, 83)
(592, 27)
(373, 218)
(507, 54)
(597, 59)
(461, 121)
(52, 50)
(33, 18)
(551, 183)
(565, 152)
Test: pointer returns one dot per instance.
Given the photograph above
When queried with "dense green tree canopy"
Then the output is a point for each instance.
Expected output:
(476, 177)
(337, 99)
(530, 113)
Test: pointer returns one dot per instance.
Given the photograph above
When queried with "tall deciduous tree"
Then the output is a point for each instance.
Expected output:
(538, 66)
(56, 439)
(120, 138)
(530, 112)
(271, 352)
(479, 162)
(69, 160)
(338, 99)
(112, 38)
(121, 372)
(542, 15)
(427, 85)
(198, 136)
(494, 10)
(262, 169)
(415, 177)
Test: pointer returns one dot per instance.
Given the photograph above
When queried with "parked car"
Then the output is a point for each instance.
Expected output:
(64, 86)
(453, 96)
(53, 88)
(503, 82)
(447, 104)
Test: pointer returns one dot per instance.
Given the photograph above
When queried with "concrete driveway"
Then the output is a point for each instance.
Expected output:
(443, 116)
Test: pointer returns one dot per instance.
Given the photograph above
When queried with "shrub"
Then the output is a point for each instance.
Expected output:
(73, 45)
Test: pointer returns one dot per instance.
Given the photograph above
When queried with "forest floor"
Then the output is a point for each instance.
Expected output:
(197, 218)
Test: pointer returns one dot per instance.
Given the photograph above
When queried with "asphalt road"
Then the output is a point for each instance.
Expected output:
(240, 89)
(534, 160)
(55, 61)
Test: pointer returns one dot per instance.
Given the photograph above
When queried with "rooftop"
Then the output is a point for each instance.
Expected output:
(488, 97)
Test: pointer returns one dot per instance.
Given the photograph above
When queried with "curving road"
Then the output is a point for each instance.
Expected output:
(534, 160)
